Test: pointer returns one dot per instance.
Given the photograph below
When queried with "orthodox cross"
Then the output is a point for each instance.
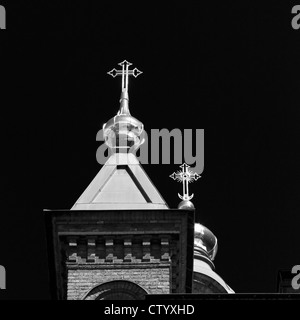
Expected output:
(125, 72)
(185, 176)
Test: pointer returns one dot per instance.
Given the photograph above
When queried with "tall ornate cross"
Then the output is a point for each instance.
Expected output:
(185, 176)
(125, 72)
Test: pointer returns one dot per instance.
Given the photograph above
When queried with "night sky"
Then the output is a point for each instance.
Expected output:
(231, 69)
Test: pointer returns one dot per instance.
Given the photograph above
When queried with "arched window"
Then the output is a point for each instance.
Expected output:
(116, 290)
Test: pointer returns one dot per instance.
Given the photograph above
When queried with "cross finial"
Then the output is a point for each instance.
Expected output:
(185, 176)
(125, 72)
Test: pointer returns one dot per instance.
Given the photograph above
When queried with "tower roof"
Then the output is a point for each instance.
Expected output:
(120, 184)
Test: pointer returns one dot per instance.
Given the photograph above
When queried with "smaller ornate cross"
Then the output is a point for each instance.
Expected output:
(125, 72)
(185, 176)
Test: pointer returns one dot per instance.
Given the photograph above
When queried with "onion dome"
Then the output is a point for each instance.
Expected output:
(205, 243)
(122, 133)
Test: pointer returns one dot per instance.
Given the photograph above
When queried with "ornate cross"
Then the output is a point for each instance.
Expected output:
(125, 72)
(185, 176)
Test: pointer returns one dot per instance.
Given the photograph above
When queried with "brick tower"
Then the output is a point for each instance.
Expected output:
(120, 240)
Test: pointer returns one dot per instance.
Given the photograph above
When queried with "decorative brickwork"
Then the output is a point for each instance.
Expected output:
(149, 249)
(149, 265)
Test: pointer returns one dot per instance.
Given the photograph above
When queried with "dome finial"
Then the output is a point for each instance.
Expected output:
(122, 131)
(125, 72)
(124, 103)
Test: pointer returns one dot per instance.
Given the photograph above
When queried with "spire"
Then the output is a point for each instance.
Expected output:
(125, 73)
(121, 183)
(122, 132)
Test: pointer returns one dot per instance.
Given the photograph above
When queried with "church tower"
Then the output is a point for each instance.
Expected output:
(120, 240)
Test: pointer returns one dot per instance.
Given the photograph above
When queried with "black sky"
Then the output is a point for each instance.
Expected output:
(231, 69)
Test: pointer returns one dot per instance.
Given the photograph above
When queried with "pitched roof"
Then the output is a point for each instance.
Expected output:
(120, 184)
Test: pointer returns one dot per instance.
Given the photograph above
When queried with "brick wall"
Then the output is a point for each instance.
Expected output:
(154, 278)
(152, 248)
